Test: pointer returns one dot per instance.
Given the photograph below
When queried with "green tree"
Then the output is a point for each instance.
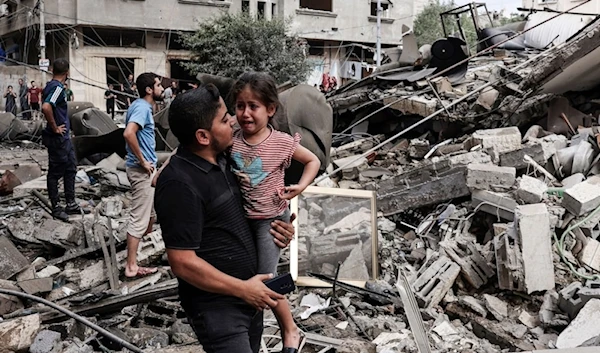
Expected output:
(229, 44)
(428, 25)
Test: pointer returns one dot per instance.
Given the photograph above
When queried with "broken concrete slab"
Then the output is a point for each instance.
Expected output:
(18, 334)
(499, 140)
(497, 307)
(474, 304)
(46, 341)
(11, 260)
(529, 320)
(418, 148)
(516, 159)
(93, 275)
(421, 188)
(355, 266)
(61, 234)
(531, 190)
(583, 328)
(37, 285)
(533, 225)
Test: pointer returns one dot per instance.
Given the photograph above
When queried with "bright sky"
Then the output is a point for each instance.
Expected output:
(508, 5)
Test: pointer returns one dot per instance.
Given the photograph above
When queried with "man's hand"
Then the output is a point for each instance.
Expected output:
(258, 294)
(60, 130)
(148, 167)
(283, 232)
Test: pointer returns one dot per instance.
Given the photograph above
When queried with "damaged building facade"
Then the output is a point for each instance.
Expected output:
(106, 41)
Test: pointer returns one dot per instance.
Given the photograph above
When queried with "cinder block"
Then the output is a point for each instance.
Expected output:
(500, 140)
(569, 299)
(531, 190)
(533, 224)
(509, 263)
(484, 176)
(474, 268)
(433, 283)
(505, 204)
(582, 198)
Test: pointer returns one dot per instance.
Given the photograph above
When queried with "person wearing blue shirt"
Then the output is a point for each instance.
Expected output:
(57, 138)
(140, 166)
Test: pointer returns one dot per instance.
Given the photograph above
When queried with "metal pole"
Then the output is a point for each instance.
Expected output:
(42, 40)
(379, 10)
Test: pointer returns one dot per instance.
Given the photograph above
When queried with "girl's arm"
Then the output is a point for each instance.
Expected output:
(311, 168)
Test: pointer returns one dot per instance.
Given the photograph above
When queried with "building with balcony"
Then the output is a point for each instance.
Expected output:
(106, 40)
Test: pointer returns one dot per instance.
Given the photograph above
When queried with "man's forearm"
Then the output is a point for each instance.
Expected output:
(49, 115)
(133, 143)
(203, 275)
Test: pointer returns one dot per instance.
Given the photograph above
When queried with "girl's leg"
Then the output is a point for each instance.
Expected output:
(268, 258)
(289, 330)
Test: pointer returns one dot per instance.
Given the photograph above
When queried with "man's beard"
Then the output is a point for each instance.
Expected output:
(219, 146)
(158, 98)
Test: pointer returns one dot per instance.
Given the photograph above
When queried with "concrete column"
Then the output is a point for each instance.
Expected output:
(268, 14)
(253, 7)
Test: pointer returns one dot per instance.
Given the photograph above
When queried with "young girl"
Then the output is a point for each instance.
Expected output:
(260, 156)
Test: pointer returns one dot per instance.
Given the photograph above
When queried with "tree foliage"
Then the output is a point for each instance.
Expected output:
(229, 45)
(428, 26)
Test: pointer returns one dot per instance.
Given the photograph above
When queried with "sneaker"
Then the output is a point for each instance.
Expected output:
(72, 208)
(60, 214)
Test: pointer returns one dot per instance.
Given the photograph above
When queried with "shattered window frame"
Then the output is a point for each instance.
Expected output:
(312, 192)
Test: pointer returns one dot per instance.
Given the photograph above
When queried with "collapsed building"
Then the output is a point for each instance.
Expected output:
(460, 211)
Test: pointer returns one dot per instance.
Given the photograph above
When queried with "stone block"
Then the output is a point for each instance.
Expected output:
(500, 140)
(414, 105)
(18, 334)
(433, 282)
(552, 143)
(509, 263)
(529, 320)
(572, 180)
(569, 300)
(494, 203)
(46, 341)
(486, 176)
(11, 260)
(531, 190)
(591, 227)
(37, 285)
(151, 246)
(533, 225)
(474, 304)
(584, 328)
(93, 275)
(351, 166)
(582, 198)
(516, 160)
(148, 337)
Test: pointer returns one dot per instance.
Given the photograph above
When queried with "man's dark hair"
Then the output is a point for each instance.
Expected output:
(9, 86)
(145, 80)
(261, 83)
(60, 66)
(32, 82)
(195, 109)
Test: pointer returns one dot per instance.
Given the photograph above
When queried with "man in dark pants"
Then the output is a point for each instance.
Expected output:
(209, 243)
(56, 137)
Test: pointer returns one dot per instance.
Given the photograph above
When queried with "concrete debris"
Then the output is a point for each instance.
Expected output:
(489, 210)
(19, 334)
(583, 329)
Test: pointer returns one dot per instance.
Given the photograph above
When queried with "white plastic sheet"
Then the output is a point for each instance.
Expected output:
(555, 31)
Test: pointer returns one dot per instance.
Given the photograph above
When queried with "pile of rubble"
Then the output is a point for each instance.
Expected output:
(487, 221)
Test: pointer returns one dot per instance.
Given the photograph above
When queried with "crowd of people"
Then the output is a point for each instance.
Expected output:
(28, 96)
(220, 198)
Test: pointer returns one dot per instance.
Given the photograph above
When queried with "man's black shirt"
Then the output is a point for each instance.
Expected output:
(199, 207)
